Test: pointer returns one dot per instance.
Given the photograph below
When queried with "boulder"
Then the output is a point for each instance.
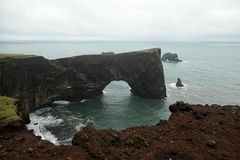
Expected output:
(170, 57)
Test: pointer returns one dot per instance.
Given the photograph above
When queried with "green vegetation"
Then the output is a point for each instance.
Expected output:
(8, 111)
(10, 56)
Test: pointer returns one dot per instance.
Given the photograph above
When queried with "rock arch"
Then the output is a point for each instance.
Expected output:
(37, 81)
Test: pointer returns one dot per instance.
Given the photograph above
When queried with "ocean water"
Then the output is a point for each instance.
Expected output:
(209, 71)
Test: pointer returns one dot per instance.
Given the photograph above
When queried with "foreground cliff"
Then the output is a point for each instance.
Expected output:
(193, 132)
(36, 81)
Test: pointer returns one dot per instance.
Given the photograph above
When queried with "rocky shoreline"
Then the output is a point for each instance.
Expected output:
(192, 132)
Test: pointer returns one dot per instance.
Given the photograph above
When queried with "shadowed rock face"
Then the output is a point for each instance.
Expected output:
(37, 81)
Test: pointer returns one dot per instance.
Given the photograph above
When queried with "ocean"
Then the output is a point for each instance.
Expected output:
(209, 71)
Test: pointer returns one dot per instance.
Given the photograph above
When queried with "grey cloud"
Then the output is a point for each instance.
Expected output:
(120, 20)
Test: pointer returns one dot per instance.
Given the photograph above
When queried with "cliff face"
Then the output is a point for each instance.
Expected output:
(37, 81)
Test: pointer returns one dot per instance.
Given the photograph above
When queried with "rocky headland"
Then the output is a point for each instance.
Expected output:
(37, 81)
(193, 132)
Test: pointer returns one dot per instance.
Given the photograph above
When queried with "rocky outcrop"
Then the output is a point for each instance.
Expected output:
(36, 81)
(192, 132)
(179, 83)
(170, 57)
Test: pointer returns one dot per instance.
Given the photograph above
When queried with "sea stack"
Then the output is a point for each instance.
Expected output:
(171, 57)
(179, 83)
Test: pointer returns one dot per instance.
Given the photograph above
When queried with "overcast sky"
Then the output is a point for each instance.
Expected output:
(147, 20)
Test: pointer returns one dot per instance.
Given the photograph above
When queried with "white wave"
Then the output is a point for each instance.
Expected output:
(80, 126)
(84, 123)
(61, 102)
(39, 124)
(185, 61)
(104, 91)
(66, 141)
(43, 110)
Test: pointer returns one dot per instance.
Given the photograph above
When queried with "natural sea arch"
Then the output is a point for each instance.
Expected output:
(37, 81)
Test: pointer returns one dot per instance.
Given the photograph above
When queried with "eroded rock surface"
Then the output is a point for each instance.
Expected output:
(36, 81)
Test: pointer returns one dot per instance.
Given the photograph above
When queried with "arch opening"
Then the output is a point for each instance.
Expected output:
(117, 88)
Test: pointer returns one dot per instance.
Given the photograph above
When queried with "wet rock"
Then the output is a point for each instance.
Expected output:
(162, 121)
(180, 106)
(179, 83)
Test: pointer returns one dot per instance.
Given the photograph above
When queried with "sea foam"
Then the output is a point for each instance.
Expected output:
(39, 124)
(61, 102)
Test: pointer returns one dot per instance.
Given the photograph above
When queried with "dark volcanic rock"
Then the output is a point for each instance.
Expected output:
(180, 106)
(183, 137)
(22, 111)
(179, 83)
(171, 57)
(36, 81)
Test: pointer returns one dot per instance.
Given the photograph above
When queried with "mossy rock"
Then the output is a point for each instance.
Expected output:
(8, 112)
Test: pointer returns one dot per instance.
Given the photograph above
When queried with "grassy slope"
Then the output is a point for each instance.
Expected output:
(8, 111)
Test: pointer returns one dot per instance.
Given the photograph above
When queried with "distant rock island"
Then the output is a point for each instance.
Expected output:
(179, 83)
(36, 81)
(170, 57)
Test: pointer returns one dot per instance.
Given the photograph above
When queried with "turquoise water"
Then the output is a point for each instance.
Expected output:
(210, 72)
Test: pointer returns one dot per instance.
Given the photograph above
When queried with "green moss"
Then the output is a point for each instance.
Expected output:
(7, 101)
(8, 111)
